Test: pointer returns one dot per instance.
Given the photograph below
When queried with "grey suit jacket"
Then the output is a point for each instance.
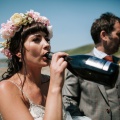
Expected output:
(86, 98)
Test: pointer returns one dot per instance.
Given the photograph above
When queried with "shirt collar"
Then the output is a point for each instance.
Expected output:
(99, 53)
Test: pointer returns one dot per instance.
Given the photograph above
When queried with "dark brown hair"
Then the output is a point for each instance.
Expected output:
(17, 45)
(106, 22)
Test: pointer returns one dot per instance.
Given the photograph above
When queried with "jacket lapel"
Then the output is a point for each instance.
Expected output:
(101, 87)
(103, 92)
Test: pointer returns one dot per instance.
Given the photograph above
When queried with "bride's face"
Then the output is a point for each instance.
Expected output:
(36, 45)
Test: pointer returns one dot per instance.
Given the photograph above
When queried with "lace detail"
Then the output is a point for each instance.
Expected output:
(37, 111)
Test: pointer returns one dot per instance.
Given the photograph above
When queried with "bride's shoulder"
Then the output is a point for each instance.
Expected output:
(5, 85)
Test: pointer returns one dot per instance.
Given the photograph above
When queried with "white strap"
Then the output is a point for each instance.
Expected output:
(20, 89)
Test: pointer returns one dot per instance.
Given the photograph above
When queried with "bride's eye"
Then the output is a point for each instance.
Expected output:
(48, 40)
(36, 40)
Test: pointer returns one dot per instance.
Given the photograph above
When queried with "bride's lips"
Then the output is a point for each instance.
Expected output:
(48, 55)
(45, 57)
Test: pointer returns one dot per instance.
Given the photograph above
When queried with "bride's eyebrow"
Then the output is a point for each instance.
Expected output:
(38, 35)
(35, 36)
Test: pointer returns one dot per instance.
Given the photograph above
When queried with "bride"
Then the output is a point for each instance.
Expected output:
(26, 93)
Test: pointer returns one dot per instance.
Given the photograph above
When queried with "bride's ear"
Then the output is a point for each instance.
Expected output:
(19, 56)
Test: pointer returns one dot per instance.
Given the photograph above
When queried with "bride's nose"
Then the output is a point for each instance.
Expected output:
(46, 44)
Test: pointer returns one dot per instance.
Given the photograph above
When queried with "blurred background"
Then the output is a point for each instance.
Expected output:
(71, 19)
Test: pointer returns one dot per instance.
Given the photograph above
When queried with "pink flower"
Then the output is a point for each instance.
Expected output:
(34, 15)
(45, 21)
(15, 23)
(8, 30)
(7, 53)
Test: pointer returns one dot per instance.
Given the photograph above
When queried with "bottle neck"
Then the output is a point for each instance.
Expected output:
(48, 55)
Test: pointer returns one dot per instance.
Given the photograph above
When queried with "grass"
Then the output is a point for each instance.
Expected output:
(84, 49)
(79, 50)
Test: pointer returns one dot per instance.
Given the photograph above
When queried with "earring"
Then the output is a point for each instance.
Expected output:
(20, 60)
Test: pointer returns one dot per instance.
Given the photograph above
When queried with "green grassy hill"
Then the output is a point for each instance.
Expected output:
(84, 49)
(79, 50)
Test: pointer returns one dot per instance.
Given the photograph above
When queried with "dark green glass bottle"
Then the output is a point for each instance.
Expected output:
(91, 68)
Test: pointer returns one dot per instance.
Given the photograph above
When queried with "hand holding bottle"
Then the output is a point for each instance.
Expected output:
(57, 68)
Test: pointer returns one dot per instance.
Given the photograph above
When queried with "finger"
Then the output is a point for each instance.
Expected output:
(58, 55)
(60, 61)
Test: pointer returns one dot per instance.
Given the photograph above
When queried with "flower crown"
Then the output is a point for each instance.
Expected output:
(15, 23)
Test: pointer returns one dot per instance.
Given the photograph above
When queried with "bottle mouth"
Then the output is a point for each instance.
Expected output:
(48, 55)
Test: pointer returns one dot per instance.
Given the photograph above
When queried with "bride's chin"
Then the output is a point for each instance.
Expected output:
(45, 64)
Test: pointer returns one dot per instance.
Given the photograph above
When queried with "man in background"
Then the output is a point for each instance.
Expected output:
(85, 98)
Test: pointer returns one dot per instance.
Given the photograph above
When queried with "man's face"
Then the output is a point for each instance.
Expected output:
(113, 42)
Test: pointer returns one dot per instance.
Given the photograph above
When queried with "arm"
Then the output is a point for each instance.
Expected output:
(12, 106)
(71, 94)
(53, 109)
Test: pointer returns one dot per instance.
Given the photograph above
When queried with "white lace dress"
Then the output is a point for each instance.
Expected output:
(37, 111)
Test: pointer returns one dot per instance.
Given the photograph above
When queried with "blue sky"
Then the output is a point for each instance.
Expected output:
(71, 19)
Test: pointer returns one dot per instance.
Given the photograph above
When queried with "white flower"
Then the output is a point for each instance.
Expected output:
(15, 23)
(1, 49)
(49, 28)
(17, 19)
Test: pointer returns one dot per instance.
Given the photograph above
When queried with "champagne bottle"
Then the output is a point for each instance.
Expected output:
(91, 68)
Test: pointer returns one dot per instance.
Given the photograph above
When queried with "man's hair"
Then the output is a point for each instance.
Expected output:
(106, 22)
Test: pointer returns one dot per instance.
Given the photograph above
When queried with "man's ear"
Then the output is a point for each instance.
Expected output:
(103, 35)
